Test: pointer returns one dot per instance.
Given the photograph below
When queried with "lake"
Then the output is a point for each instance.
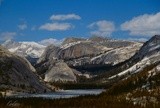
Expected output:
(63, 94)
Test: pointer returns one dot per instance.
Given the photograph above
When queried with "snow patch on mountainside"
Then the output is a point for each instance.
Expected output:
(139, 66)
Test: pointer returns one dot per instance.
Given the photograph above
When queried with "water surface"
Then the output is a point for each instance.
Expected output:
(63, 94)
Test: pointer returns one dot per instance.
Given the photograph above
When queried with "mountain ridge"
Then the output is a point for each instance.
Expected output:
(84, 54)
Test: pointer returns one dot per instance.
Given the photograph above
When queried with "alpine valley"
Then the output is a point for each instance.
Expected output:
(129, 71)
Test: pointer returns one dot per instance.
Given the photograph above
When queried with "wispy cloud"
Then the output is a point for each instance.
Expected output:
(56, 26)
(22, 26)
(62, 17)
(60, 26)
(50, 41)
(7, 35)
(144, 25)
(102, 28)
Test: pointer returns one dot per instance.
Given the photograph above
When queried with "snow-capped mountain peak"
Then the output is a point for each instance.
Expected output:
(25, 49)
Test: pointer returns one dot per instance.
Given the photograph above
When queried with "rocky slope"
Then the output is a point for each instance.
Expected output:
(147, 56)
(17, 74)
(87, 55)
(60, 72)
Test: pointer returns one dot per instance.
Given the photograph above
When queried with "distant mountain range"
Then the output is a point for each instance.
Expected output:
(82, 57)
(97, 60)
(85, 56)
(31, 49)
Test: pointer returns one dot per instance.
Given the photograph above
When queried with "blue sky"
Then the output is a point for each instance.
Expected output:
(36, 20)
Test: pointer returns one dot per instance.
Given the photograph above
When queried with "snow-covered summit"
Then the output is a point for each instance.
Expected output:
(25, 49)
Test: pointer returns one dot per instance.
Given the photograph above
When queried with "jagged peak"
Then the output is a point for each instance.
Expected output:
(155, 40)
(152, 45)
(156, 36)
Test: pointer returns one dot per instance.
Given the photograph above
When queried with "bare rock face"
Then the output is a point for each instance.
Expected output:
(89, 52)
(17, 74)
(82, 54)
(79, 49)
(60, 72)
